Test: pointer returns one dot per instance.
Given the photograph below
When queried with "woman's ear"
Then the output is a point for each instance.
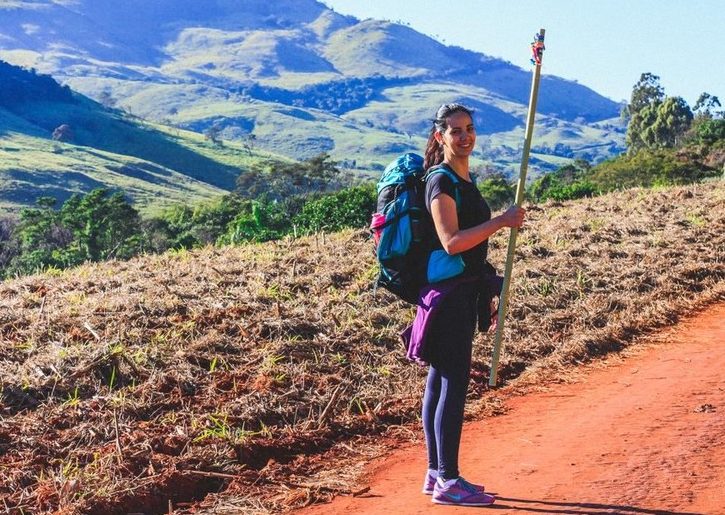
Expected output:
(439, 137)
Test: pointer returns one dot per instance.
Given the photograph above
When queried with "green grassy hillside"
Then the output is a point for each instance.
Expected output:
(155, 165)
(30, 167)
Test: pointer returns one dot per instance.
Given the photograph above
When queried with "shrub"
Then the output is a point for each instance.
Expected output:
(185, 226)
(261, 220)
(351, 207)
(567, 183)
(708, 132)
(497, 191)
(94, 227)
(646, 168)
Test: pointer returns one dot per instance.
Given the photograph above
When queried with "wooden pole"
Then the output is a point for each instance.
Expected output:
(538, 48)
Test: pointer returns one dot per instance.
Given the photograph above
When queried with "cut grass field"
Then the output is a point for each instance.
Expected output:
(257, 378)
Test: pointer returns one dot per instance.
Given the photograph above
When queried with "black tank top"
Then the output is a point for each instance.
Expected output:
(472, 210)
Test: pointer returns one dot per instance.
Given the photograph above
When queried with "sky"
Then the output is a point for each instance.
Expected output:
(605, 44)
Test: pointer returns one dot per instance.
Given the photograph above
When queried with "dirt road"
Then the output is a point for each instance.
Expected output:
(644, 435)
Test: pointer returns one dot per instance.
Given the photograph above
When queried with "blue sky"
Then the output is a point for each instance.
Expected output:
(603, 44)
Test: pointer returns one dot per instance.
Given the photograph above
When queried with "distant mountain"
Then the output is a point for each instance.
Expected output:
(299, 77)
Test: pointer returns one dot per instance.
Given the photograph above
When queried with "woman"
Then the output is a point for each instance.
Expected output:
(462, 228)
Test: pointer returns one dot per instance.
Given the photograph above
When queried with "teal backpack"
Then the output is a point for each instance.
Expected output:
(403, 230)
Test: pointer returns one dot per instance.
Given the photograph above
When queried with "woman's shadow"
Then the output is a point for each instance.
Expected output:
(578, 508)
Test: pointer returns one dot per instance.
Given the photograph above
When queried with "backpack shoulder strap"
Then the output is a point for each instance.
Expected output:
(441, 168)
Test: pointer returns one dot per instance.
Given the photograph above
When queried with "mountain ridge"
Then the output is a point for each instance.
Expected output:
(245, 66)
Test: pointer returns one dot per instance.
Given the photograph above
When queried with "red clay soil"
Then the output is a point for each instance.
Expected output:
(645, 435)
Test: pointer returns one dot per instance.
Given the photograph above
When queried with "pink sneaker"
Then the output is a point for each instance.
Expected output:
(430, 481)
(461, 493)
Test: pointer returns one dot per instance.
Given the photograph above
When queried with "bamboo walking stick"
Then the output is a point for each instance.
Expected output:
(538, 50)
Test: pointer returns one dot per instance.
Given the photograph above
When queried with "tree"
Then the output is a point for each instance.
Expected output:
(40, 234)
(647, 95)
(103, 226)
(569, 182)
(709, 132)
(278, 180)
(321, 168)
(350, 207)
(646, 91)
(106, 99)
(260, 220)
(187, 226)
(640, 122)
(9, 244)
(248, 142)
(214, 134)
(63, 133)
(673, 118)
(655, 121)
(706, 106)
(93, 227)
(646, 168)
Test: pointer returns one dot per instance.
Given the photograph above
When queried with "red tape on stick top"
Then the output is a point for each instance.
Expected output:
(537, 49)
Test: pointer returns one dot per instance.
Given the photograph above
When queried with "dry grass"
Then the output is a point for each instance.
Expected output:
(227, 380)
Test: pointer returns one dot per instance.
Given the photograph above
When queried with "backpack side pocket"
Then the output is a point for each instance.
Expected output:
(397, 233)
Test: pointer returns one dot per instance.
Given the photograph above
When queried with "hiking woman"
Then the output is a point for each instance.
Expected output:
(463, 224)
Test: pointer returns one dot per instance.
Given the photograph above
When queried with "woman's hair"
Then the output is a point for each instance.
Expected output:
(434, 150)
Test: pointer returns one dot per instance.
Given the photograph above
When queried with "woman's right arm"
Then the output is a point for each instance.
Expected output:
(455, 240)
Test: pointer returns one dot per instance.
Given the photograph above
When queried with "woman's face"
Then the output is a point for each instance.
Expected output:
(459, 138)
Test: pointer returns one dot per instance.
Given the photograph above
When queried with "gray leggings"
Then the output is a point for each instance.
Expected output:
(451, 343)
